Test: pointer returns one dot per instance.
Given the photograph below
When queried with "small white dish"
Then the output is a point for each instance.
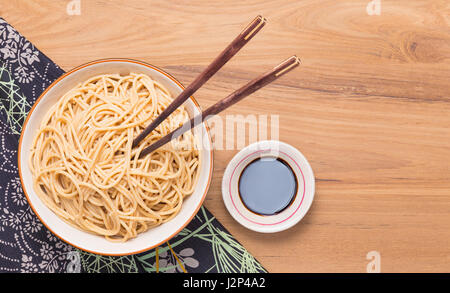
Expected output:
(289, 216)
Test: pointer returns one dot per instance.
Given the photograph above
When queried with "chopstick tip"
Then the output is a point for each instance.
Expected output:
(287, 65)
(261, 19)
(253, 27)
(296, 60)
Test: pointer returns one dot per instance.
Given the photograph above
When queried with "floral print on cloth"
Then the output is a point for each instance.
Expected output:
(19, 54)
(25, 243)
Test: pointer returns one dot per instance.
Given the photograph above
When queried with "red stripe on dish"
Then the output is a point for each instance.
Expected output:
(265, 224)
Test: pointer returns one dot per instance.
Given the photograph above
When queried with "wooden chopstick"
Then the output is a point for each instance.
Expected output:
(249, 32)
(225, 103)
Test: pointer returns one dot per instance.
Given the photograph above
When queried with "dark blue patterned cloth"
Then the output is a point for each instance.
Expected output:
(27, 246)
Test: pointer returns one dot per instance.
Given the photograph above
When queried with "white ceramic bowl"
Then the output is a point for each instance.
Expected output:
(90, 242)
(290, 215)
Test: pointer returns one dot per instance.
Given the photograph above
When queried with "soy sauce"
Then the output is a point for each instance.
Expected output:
(267, 186)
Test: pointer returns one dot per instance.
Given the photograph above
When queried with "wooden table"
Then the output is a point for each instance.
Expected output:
(370, 109)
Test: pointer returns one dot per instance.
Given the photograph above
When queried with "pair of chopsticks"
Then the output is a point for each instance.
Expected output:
(246, 35)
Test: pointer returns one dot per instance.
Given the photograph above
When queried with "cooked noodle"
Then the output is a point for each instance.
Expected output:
(85, 170)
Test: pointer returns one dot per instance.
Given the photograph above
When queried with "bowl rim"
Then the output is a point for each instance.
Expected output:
(58, 80)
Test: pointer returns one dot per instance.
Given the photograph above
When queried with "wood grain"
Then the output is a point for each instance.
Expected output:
(369, 108)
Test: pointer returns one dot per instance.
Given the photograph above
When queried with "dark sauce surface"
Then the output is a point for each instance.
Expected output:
(267, 186)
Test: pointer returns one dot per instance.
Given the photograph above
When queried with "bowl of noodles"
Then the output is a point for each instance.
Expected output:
(81, 175)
